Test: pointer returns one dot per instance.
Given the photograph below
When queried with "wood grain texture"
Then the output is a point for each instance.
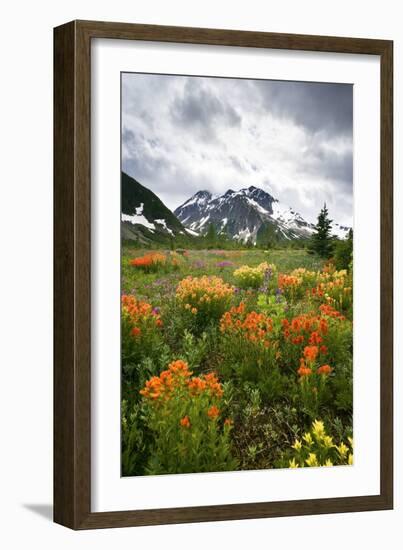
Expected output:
(64, 344)
(72, 296)
(72, 274)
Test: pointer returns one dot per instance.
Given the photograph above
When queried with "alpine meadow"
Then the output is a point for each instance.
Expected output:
(236, 274)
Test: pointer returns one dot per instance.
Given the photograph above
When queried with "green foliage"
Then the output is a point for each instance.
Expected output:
(322, 241)
(135, 440)
(211, 236)
(245, 364)
(341, 387)
(267, 237)
(184, 417)
(313, 393)
(274, 306)
(343, 252)
(261, 432)
(147, 344)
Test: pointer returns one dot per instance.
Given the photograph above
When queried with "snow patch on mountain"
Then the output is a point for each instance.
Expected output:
(164, 225)
(193, 233)
(138, 218)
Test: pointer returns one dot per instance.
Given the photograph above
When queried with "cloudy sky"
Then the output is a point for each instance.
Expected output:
(295, 140)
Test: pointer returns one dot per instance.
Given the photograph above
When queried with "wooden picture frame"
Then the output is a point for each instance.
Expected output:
(72, 271)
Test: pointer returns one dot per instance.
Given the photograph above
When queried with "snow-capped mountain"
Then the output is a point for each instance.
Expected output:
(250, 214)
(340, 231)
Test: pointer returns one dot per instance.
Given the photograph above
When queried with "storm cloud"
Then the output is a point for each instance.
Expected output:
(181, 134)
(318, 107)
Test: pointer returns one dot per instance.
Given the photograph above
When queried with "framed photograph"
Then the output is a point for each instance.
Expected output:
(222, 274)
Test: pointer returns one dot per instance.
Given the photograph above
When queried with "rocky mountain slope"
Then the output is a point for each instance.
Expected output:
(250, 214)
(247, 214)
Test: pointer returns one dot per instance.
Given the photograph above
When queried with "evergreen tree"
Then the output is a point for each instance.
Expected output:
(211, 236)
(322, 242)
(266, 237)
(343, 253)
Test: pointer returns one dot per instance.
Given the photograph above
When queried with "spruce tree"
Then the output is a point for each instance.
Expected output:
(211, 236)
(322, 241)
(343, 253)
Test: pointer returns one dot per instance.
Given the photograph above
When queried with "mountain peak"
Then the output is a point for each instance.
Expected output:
(247, 214)
(202, 193)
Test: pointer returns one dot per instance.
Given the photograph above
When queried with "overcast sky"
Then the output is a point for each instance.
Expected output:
(182, 134)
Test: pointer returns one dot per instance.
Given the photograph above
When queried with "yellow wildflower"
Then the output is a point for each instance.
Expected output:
(327, 441)
(343, 449)
(307, 438)
(318, 428)
(293, 464)
(312, 460)
(297, 445)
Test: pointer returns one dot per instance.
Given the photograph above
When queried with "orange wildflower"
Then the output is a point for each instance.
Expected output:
(254, 327)
(148, 261)
(304, 371)
(329, 311)
(136, 331)
(140, 312)
(310, 352)
(324, 369)
(185, 422)
(178, 375)
(288, 281)
(296, 324)
(315, 338)
(179, 367)
(197, 385)
(213, 412)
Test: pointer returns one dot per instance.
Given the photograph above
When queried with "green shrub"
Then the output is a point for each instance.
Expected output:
(184, 417)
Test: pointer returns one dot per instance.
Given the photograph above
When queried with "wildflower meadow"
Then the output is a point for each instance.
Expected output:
(235, 360)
